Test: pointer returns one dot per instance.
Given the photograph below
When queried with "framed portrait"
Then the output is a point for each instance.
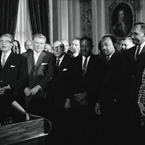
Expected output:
(121, 19)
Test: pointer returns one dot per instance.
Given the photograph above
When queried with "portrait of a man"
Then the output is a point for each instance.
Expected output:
(122, 19)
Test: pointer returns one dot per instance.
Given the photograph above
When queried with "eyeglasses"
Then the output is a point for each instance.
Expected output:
(59, 46)
(6, 42)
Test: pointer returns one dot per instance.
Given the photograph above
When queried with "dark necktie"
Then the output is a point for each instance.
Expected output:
(57, 63)
(84, 66)
(137, 52)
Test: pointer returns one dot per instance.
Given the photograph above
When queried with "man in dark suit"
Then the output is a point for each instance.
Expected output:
(114, 99)
(85, 77)
(138, 63)
(41, 69)
(13, 76)
(59, 96)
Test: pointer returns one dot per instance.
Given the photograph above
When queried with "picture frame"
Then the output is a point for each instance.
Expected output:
(121, 18)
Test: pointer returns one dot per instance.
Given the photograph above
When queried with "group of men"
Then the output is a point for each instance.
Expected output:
(122, 100)
(71, 90)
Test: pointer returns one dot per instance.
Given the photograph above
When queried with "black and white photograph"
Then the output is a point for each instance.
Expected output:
(72, 72)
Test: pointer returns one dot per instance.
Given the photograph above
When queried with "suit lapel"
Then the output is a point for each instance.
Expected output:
(63, 63)
(39, 61)
(143, 50)
(9, 59)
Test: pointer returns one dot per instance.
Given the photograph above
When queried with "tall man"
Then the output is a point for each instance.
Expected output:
(86, 74)
(13, 76)
(40, 68)
(137, 54)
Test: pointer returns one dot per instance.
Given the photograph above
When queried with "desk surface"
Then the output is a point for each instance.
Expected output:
(23, 131)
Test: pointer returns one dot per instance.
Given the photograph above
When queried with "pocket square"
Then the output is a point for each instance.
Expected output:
(12, 66)
(64, 69)
(44, 63)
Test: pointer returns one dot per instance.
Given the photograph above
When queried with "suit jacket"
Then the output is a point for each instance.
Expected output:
(116, 85)
(138, 67)
(15, 74)
(59, 86)
(42, 73)
(92, 80)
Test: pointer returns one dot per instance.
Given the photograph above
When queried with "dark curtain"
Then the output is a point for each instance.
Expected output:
(39, 17)
(8, 16)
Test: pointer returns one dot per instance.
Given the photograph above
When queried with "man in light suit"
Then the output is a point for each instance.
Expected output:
(41, 69)
(13, 76)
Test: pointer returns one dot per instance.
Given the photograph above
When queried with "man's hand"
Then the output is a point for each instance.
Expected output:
(3, 89)
(141, 107)
(67, 104)
(80, 96)
(35, 90)
(27, 91)
(2, 92)
(97, 108)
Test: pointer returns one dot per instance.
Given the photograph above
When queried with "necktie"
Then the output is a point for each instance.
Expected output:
(57, 63)
(84, 66)
(3, 60)
(107, 57)
(137, 52)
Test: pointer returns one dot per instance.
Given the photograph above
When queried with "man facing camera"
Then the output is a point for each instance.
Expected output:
(13, 76)
(59, 95)
(40, 68)
(86, 75)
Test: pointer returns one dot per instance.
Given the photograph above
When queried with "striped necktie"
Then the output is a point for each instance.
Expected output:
(84, 66)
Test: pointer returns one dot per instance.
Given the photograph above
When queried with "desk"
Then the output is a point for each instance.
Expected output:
(32, 132)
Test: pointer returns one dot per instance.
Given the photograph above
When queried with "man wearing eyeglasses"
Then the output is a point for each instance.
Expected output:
(59, 95)
(41, 69)
(13, 75)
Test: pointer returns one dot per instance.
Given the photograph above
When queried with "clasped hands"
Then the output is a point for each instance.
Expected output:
(80, 98)
(3, 89)
(141, 106)
(32, 91)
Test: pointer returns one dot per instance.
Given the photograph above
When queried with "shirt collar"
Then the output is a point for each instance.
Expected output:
(35, 53)
(7, 54)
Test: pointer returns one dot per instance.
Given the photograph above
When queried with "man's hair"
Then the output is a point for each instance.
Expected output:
(39, 36)
(27, 41)
(113, 39)
(88, 39)
(7, 35)
(76, 38)
(142, 25)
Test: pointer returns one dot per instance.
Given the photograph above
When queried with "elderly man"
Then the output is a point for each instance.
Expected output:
(59, 90)
(13, 76)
